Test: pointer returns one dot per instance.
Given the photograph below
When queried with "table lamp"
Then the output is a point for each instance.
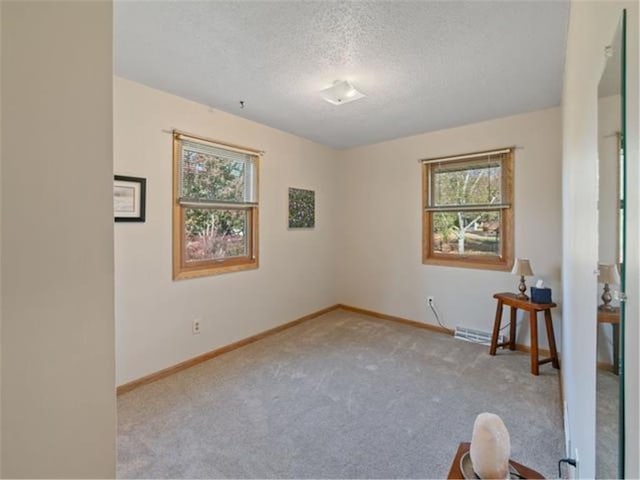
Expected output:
(607, 274)
(522, 267)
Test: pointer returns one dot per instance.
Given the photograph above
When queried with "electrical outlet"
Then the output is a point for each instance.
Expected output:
(430, 300)
(195, 326)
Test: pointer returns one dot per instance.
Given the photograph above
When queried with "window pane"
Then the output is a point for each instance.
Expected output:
(467, 183)
(215, 234)
(467, 233)
(213, 174)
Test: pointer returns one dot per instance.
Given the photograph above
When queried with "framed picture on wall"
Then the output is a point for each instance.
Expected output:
(302, 208)
(129, 198)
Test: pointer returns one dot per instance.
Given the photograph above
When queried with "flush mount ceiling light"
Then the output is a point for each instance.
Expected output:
(341, 92)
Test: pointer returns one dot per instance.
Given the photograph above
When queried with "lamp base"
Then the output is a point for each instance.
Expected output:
(523, 288)
(606, 300)
(607, 308)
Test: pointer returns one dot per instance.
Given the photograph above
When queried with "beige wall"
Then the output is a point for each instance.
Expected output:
(296, 275)
(592, 26)
(1, 3)
(58, 402)
(381, 267)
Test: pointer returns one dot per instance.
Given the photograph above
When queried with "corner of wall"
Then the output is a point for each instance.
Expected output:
(341, 230)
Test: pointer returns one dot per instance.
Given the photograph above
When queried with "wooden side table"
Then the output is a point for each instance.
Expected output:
(456, 473)
(613, 318)
(511, 300)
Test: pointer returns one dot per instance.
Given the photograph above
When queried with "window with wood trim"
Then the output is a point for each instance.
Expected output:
(468, 216)
(215, 207)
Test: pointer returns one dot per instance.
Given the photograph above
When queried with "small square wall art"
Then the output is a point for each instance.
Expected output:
(302, 208)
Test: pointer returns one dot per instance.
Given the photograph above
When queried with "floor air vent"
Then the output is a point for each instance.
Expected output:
(475, 336)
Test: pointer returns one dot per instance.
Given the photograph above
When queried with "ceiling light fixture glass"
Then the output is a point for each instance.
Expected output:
(341, 92)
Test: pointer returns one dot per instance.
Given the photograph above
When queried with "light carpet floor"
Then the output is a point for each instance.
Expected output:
(340, 396)
(607, 424)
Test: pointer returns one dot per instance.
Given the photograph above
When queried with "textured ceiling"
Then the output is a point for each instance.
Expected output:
(423, 66)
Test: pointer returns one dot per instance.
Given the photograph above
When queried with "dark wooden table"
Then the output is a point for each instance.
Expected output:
(511, 300)
(456, 473)
(613, 317)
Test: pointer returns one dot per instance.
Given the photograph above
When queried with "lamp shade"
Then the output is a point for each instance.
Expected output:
(608, 274)
(522, 267)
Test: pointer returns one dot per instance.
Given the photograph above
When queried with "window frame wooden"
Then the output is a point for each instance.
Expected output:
(504, 262)
(183, 270)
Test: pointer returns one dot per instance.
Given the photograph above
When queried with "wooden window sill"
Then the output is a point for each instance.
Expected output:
(467, 263)
(196, 271)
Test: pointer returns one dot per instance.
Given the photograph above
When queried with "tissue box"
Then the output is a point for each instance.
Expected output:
(540, 295)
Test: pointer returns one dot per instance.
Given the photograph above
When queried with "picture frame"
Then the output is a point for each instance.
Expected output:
(302, 209)
(129, 198)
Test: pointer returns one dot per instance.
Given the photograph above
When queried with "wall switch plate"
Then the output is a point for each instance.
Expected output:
(195, 326)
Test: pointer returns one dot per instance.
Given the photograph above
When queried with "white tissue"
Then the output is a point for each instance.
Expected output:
(539, 283)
